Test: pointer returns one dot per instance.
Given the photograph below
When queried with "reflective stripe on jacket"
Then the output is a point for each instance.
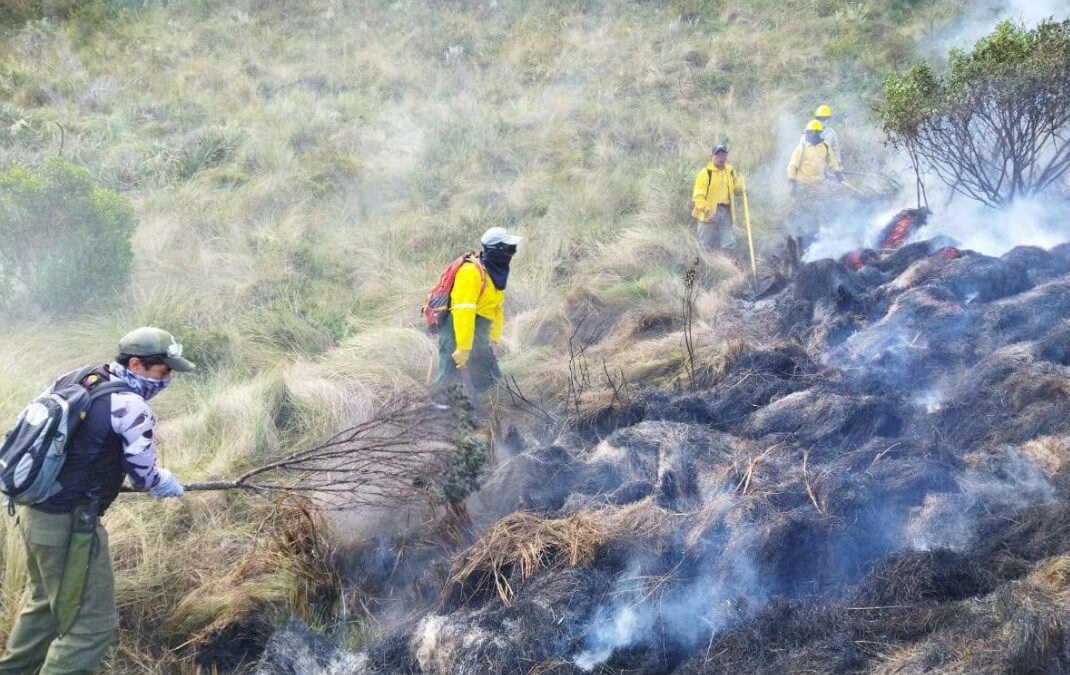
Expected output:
(809, 163)
(466, 303)
(715, 186)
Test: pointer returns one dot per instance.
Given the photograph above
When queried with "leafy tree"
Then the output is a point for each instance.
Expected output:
(997, 126)
(62, 239)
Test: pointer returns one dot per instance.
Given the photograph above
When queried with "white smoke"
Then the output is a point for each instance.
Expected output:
(968, 224)
(983, 16)
(846, 231)
(1026, 222)
(686, 606)
(948, 520)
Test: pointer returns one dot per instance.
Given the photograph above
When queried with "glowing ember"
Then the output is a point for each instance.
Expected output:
(899, 233)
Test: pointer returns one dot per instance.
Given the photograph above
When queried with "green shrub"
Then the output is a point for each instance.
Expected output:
(996, 127)
(63, 240)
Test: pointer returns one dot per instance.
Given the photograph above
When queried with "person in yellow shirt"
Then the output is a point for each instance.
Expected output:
(813, 160)
(812, 163)
(469, 336)
(823, 114)
(714, 192)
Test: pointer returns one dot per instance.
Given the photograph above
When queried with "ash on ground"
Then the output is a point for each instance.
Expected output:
(882, 485)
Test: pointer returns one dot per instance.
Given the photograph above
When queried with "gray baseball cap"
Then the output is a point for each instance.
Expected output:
(499, 235)
(149, 341)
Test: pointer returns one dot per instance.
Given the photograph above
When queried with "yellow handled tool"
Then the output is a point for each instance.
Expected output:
(750, 239)
(850, 187)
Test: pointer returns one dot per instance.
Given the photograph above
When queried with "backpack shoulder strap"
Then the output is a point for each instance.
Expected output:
(110, 387)
(72, 377)
(473, 258)
(103, 384)
(709, 181)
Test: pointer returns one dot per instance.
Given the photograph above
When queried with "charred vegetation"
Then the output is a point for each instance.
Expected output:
(880, 486)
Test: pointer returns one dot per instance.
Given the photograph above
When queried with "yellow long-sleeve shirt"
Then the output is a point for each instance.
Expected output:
(466, 303)
(809, 163)
(715, 186)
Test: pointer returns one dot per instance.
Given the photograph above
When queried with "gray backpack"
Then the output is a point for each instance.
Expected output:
(35, 449)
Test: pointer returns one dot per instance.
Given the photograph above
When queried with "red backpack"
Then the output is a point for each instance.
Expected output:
(438, 300)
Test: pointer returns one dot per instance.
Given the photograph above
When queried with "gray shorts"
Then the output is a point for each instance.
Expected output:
(718, 233)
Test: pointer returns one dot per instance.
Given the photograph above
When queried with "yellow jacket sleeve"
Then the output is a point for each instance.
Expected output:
(796, 160)
(702, 186)
(463, 301)
(497, 323)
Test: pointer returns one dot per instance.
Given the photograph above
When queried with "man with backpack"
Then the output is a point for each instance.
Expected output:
(70, 617)
(716, 187)
(466, 308)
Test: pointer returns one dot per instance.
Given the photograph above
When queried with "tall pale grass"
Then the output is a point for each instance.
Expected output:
(303, 171)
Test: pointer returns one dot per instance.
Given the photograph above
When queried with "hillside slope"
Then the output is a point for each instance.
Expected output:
(301, 172)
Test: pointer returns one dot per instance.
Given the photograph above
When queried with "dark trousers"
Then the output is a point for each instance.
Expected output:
(482, 364)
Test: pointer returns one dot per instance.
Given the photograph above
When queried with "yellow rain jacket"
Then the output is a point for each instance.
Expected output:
(809, 163)
(715, 186)
(466, 302)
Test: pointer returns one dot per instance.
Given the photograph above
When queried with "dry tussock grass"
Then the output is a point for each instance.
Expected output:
(524, 543)
(1052, 574)
(1050, 453)
(288, 569)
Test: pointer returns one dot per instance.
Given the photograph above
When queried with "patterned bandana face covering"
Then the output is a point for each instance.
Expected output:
(146, 387)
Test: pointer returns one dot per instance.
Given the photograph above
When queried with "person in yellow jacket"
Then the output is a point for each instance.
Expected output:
(714, 192)
(813, 160)
(812, 163)
(823, 114)
(469, 336)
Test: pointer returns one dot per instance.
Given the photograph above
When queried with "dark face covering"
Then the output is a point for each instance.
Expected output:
(495, 260)
(813, 137)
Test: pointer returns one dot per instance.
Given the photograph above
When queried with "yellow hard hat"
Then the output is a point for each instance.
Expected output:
(823, 111)
(814, 125)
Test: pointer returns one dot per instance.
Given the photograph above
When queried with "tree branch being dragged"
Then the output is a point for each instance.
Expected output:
(403, 452)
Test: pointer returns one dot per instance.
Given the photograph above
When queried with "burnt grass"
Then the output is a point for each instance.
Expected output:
(879, 484)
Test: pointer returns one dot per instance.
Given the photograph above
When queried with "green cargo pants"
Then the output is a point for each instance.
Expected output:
(34, 645)
(482, 364)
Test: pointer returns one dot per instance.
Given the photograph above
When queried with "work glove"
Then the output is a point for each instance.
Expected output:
(839, 176)
(460, 357)
(168, 486)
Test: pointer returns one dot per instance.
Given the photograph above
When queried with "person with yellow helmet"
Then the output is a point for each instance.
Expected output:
(823, 114)
(812, 162)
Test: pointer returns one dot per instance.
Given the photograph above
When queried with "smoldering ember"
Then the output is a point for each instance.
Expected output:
(879, 481)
